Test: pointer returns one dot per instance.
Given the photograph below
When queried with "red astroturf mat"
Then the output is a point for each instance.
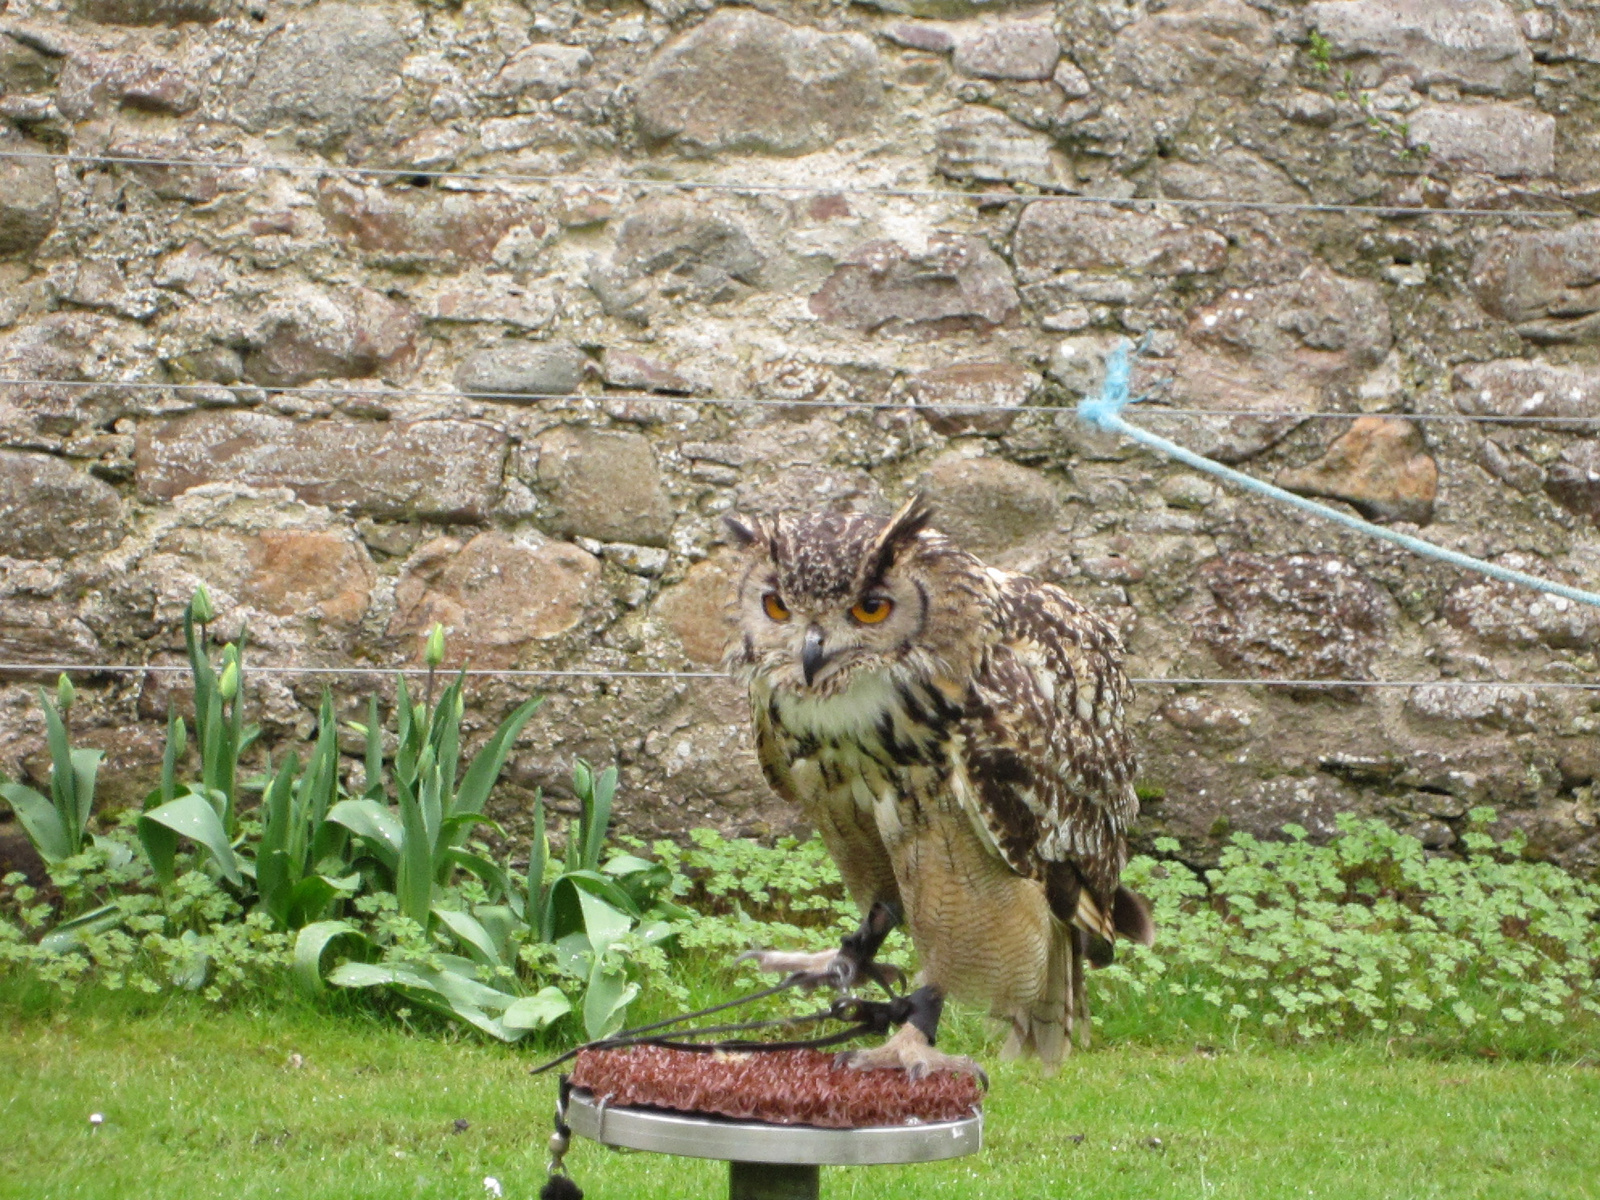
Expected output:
(784, 1087)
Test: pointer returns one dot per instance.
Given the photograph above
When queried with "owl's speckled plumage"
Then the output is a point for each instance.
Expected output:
(965, 759)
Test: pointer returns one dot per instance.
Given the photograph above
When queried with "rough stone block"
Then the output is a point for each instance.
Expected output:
(1451, 706)
(151, 85)
(621, 369)
(544, 69)
(1264, 807)
(70, 347)
(943, 395)
(307, 333)
(327, 70)
(1305, 616)
(698, 251)
(1288, 348)
(317, 573)
(1008, 50)
(1216, 46)
(137, 78)
(988, 146)
(1543, 281)
(35, 629)
(28, 199)
(1573, 480)
(744, 81)
(695, 609)
(154, 12)
(194, 185)
(950, 9)
(1226, 175)
(443, 470)
(1381, 466)
(1473, 45)
(496, 596)
(24, 69)
(1501, 139)
(1209, 720)
(501, 135)
(512, 369)
(429, 149)
(604, 485)
(989, 505)
(51, 509)
(1057, 236)
(419, 227)
(1504, 615)
(1074, 84)
(919, 35)
(303, 583)
(958, 283)
(493, 299)
(1528, 388)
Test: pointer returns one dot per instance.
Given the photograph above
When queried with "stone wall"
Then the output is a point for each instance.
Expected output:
(327, 473)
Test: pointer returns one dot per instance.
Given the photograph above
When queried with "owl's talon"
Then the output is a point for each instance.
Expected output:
(909, 1051)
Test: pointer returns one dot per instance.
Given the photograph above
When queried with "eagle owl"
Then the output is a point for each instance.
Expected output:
(955, 733)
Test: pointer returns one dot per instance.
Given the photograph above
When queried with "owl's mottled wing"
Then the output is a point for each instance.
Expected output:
(828, 801)
(1048, 763)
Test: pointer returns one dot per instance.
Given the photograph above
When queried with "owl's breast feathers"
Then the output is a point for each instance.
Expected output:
(1033, 747)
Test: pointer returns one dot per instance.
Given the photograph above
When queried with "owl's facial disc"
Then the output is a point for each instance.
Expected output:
(819, 644)
(827, 598)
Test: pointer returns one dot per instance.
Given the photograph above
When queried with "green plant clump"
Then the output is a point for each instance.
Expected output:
(203, 892)
(1368, 934)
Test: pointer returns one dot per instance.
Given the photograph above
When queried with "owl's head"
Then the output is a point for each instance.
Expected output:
(825, 597)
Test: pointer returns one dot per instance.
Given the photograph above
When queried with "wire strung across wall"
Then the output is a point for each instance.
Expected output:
(554, 673)
(1147, 408)
(1572, 209)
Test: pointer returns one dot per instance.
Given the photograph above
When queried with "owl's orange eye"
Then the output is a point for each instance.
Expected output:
(776, 609)
(872, 610)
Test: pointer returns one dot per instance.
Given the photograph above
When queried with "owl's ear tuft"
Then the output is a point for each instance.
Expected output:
(744, 536)
(895, 537)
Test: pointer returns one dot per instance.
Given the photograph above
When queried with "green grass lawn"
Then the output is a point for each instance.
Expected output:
(200, 1102)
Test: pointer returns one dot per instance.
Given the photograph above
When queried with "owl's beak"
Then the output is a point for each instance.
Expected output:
(811, 654)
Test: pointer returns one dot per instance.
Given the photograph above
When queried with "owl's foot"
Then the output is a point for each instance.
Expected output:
(840, 969)
(909, 1050)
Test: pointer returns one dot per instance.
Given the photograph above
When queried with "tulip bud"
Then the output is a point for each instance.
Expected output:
(65, 692)
(228, 685)
(200, 607)
(433, 655)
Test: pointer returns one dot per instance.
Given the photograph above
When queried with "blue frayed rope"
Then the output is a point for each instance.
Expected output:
(1105, 411)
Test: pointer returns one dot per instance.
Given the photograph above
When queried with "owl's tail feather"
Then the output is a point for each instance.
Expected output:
(1098, 928)
(1129, 917)
(1092, 919)
(1082, 931)
(1046, 1026)
(1130, 913)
